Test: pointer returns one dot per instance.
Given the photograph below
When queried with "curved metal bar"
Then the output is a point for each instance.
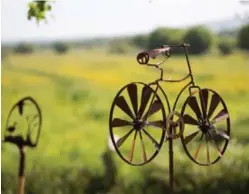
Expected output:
(178, 96)
(158, 64)
(10, 112)
(178, 80)
(180, 93)
(189, 66)
(184, 46)
(20, 144)
(165, 96)
(40, 123)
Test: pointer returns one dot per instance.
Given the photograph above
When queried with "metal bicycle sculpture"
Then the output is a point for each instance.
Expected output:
(23, 129)
(138, 109)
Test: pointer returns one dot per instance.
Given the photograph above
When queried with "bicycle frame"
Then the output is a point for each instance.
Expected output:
(189, 85)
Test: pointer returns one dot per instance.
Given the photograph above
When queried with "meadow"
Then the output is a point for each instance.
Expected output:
(75, 92)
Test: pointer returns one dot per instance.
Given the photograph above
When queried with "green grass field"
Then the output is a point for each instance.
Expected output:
(75, 92)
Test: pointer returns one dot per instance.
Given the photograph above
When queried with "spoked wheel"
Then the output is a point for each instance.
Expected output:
(175, 125)
(23, 124)
(207, 127)
(137, 123)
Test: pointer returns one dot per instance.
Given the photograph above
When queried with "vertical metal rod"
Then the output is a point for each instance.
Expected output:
(21, 171)
(171, 164)
(189, 67)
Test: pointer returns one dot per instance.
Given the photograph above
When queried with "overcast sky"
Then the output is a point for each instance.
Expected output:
(89, 18)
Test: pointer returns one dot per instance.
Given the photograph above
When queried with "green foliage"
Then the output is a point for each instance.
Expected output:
(71, 156)
(120, 47)
(243, 37)
(199, 38)
(23, 48)
(140, 41)
(164, 36)
(38, 10)
(226, 46)
(4, 53)
(189, 178)
(60, 47)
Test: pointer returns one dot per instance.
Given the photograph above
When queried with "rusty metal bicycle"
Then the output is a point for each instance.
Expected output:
(138, 109)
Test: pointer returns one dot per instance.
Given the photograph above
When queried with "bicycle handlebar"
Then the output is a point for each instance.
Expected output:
(144, 57)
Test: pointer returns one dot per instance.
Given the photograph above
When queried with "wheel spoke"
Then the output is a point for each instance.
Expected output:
(34, 125)
(156, 106)
(190, 137)
(122, 139)
(146, 93)
(194, 106)
(31, 121)
(122, 104)
(213, 105)
(198, 148)
(189, 120)
(204, 101)
(151, 138)
(222, 115)
(120, 122)
(33, 117)
(158, 124)
(133, 146)
(222, 133)
(215, 144)
(132, 91)
(20, 107)
(143, 147)
(218, 149)
(208, 155)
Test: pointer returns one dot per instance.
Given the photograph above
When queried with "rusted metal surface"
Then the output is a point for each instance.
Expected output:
(21, 175)
(203, 110)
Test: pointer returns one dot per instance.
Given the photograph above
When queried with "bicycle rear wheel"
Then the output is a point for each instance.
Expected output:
(207, 127)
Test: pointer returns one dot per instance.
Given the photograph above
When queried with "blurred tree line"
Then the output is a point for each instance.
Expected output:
(201, 39)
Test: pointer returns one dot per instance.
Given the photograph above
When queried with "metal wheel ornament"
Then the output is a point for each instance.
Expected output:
(138, 119)
(207, 127)
(203, 121)
(175, 125)
(23, 124)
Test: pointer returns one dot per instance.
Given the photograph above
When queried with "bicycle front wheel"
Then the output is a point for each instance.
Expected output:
(137, 123)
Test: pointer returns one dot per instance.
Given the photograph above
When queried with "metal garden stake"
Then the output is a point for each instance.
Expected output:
(203, 121)
(23, 128)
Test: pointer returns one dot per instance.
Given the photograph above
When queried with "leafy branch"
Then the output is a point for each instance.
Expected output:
(38, 10)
